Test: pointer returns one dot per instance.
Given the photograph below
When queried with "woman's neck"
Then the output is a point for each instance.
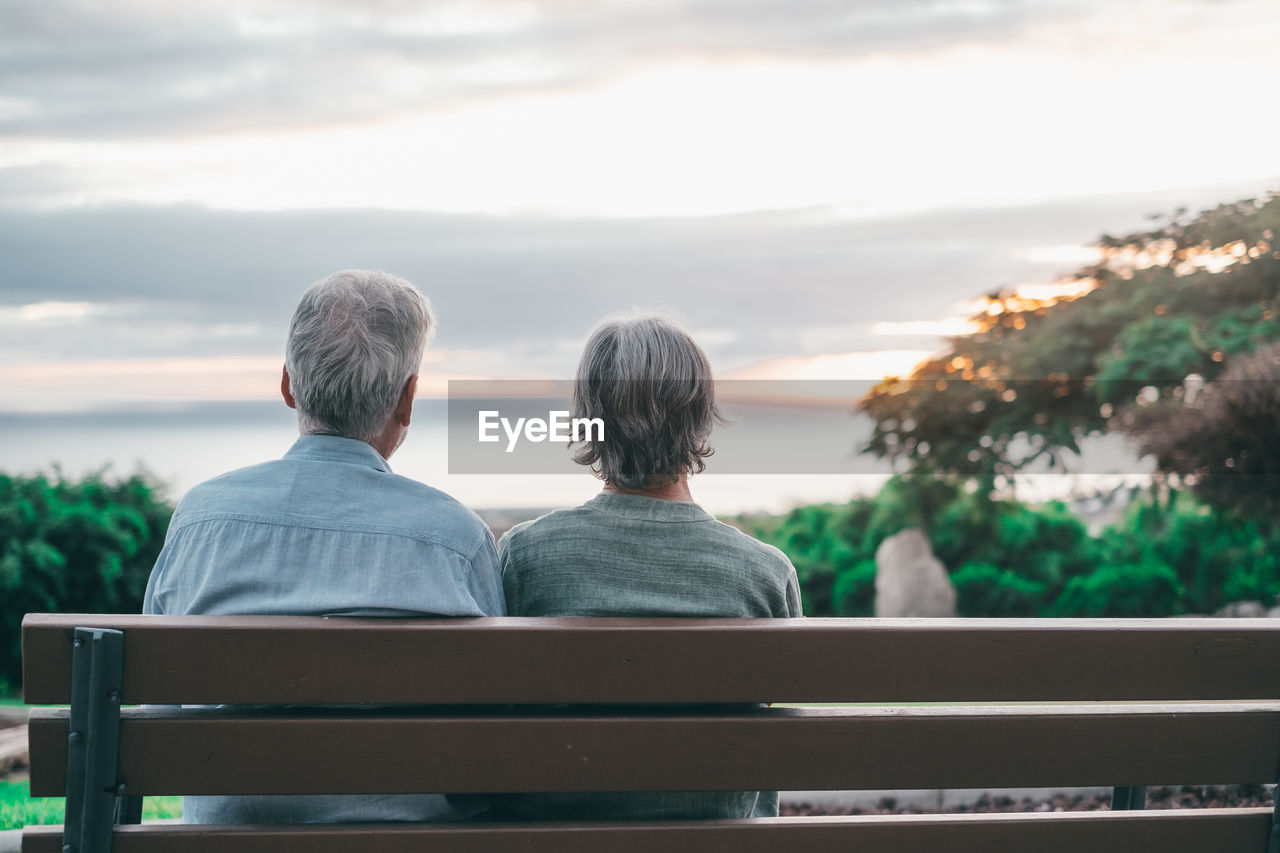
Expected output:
(675, 490)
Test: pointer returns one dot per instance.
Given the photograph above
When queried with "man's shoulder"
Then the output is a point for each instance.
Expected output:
(284, 493)
(426, 504)
(227, 486)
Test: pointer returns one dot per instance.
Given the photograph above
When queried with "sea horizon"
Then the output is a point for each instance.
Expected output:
(182, 443)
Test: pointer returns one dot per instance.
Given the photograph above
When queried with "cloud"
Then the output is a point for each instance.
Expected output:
(77, 68)
(642, 107)
(927, 328)
(44, 313)
(187, 282)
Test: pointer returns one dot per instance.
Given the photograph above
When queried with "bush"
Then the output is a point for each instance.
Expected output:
(1218, 557)
(1143, 589)
(833, 546)
(854, 593)
(1018, 560)
(984, 590)
(1047, 544)
(817, 541)
(73, 546)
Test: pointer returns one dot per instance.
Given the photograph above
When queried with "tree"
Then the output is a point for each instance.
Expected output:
(1225, 443)
(1112, 347)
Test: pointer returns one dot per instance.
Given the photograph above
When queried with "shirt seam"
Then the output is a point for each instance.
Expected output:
(318, 451)
(305, 524)
(312, 456)
(642, 518)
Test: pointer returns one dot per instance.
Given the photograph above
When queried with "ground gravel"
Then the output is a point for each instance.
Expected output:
(1187, 797)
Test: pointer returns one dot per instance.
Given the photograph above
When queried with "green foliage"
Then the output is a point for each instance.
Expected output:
(18, 808)
(1047, 544)
(983, 590)
(1140, 589)
(833, 547)
(826, 541)
(1216, 557)
(1038, 375)
(854, 592)
(74, 546)
(1169, 554)
(1154, 348)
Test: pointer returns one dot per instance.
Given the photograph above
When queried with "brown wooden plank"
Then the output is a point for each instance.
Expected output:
(1187, 831)
(177, 752)
(310, 660)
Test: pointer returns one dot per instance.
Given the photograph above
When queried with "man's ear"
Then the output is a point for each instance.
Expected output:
(404, 406)
(284, 389)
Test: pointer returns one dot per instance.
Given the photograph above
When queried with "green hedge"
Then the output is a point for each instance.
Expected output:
(1142, 589)
(983, 590)
(1169, 554)
(73, 546)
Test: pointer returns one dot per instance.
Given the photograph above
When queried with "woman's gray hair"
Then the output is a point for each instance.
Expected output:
(355, 339)
(650, 384)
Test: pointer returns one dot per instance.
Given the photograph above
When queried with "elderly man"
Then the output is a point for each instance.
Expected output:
(329, 529)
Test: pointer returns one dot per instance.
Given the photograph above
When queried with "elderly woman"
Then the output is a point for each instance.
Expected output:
(642, 547)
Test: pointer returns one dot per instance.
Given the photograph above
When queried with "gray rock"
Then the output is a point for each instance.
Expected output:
(910, 581)
(13, 749)
(1243, 610)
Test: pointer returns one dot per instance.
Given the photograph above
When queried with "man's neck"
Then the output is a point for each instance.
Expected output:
(389, 440)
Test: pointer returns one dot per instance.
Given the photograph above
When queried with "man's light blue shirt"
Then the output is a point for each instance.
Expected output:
(327, 530)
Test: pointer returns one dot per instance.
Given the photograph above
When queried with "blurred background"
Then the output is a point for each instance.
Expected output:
(1034, 228)
(817, 189)
(1006, 270)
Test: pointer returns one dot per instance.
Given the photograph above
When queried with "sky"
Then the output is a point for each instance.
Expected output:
(814, 187)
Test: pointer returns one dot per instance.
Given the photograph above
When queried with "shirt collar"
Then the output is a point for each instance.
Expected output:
(647, 508)
(335, 448)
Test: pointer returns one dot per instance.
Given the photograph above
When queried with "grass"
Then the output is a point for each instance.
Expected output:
(19, 809)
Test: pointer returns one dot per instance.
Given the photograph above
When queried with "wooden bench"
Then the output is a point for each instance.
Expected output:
(1187, 702)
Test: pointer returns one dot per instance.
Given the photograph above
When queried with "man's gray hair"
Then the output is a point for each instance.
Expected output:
(650, 384)
(355, 339)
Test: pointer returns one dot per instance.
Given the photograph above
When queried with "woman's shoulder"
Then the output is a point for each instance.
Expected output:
(760, 568)
(544, 528)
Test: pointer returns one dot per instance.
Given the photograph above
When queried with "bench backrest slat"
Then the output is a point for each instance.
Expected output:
(1191, 831)
(792, 749)
(310, 660)
(668, 704)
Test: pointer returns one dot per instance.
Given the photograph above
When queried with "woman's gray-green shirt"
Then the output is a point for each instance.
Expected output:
(631, 555)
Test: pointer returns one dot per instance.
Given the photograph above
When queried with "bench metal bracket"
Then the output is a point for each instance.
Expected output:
(95, 797)
(1128, 798)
